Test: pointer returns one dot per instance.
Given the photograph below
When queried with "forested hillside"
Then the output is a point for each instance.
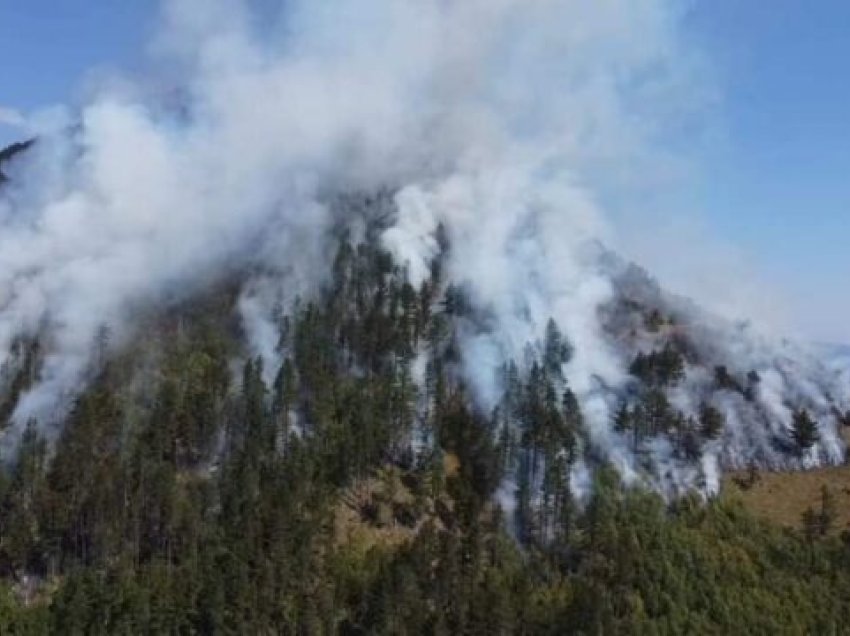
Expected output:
(331, 317)
(353, 487)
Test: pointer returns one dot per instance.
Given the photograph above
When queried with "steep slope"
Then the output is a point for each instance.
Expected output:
(488, 199)
(353, 486)
(317, 329)
(757, 383)
(646, 381)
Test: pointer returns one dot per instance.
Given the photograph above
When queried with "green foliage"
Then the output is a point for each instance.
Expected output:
(819, 523)
(711, 421)
(725, 380)
(181, 499)
(804, 430)
(665, 367)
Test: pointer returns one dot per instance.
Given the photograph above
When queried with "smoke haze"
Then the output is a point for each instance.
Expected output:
(505, 121)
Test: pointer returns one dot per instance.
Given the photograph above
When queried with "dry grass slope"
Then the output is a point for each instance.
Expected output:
(783, 497)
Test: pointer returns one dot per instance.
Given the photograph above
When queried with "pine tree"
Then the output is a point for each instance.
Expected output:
(623, 419)
(827, 510)
(811, 524)
(711, 421)
(725, 380)
(556, 350)
(804, 430)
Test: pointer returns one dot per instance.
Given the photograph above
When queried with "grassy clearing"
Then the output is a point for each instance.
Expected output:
(783, 497)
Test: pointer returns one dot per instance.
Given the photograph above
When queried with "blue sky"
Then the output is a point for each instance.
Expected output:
(777, 185)
(48, 46)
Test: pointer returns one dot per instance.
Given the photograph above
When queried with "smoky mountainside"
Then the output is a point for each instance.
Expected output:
(340, 468)
(695, 394)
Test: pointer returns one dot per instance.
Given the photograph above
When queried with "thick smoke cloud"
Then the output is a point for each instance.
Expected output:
(143, 197)
(506, 121)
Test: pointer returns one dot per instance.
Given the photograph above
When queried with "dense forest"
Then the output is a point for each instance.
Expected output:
(351, 486)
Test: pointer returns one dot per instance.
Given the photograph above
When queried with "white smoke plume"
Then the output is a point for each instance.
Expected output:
(11, 117)
(506, 121)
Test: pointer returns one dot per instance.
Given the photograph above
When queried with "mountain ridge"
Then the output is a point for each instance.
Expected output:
(348, 481)
(646, 417)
